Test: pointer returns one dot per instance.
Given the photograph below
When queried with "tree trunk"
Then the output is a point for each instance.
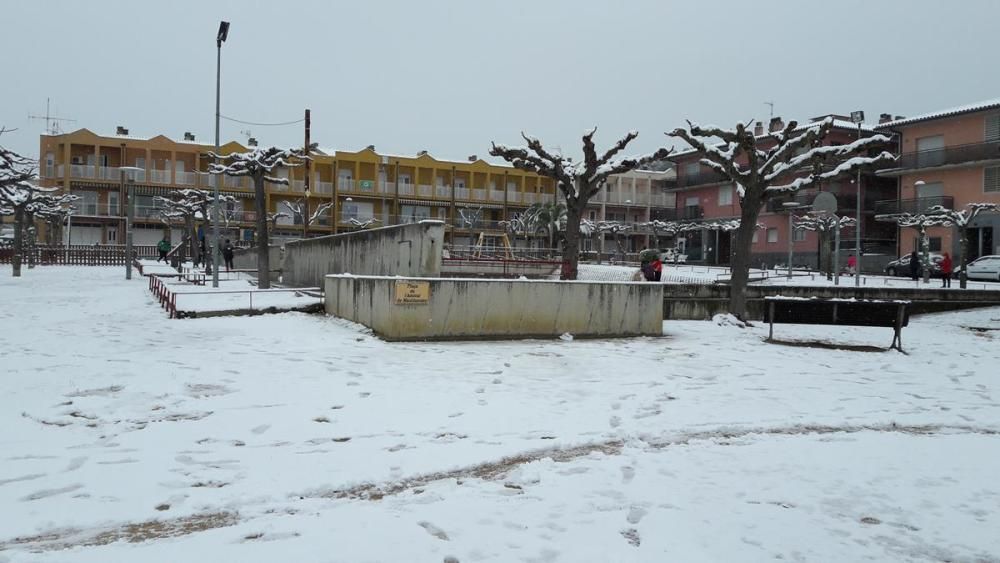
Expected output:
(571, 253)
(192, 234)
(963, 250)
(742, 246)
(18, 241)
(825, 256)
(263, 262)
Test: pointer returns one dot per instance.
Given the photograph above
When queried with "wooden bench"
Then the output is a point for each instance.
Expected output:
(842, 312)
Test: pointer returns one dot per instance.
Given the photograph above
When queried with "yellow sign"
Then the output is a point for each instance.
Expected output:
(412, 293)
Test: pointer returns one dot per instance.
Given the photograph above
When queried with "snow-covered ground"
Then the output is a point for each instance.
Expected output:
(128, 436)
(683, 273)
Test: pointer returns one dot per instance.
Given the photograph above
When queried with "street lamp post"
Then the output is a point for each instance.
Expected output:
(790, 206)
(129, 209)
(858, 117)
(220, 38)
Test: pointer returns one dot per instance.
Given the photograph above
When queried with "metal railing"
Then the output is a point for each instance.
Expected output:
(692, 212)
(159, 176)
(703, 177)
(958, 154)
(185, 178)
(916, 205)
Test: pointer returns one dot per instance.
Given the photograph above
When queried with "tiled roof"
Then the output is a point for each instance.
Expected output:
(950, 112)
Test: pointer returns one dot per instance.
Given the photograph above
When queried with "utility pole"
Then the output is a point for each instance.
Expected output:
(220, 38)
(308, 171)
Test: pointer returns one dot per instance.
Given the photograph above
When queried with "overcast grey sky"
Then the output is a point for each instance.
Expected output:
(450, 76)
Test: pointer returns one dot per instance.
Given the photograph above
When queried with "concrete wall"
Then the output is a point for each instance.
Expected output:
(498, 309)
(246, 259)
(699, 302)
(406, 250)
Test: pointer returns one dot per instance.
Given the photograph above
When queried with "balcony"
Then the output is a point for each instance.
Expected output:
(917, 205)
(703, 177)
(184, 178)
(298, 185)
(345, 185)
(461, 193)
(949, 156)
(443, 192)
(425, 191)
(777, 204)
(407, 189)
(159, 176)
(692, 212)
(479, 194)
(513, 197)
(324, 187)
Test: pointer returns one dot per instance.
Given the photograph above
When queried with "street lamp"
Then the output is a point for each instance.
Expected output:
(790, 206)
(220, 38)
(130, 171)
(924, 241)
(858, 117)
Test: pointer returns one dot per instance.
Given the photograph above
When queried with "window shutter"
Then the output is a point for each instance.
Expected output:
(993, 127)
(991, 179)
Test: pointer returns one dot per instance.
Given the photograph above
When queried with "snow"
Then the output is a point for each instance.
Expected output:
(967, 108)
(300, 438)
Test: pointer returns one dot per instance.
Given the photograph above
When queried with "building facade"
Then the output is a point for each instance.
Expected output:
(951, 158)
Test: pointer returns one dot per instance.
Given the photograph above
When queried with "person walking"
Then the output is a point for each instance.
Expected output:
(164, 247)
(852, 265)
(946, 269)
(227, 254)
(914, 266)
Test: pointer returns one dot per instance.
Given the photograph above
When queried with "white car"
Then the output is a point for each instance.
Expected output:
(985, 267)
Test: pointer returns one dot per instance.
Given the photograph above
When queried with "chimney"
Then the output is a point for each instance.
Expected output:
(421, 153)
(473, 158)
(758, 129)
(121, 130)
(775, 125)
(188, 136)
(898, 117)
(371, 148)
(252, 142)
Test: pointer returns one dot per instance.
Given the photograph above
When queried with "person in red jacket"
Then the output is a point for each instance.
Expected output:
(657, 269)
(946, 270)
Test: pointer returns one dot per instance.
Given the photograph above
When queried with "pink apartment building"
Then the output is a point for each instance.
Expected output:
(952, 158)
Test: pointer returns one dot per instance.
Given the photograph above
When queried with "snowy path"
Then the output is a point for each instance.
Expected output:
(295, 437)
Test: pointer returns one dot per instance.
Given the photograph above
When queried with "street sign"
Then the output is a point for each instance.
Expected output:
(857, 116)
(825, 202)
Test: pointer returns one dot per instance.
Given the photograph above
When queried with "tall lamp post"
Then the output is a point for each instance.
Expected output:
(858, 117)
(129, 172)
(790, 206)
(220, 38)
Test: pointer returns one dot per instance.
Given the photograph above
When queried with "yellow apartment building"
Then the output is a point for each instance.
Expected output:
(365, 188)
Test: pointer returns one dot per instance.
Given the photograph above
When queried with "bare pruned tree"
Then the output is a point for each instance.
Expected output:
(299, 208)
(920, 222)
(961, 219)
(260, 165)
(780, 162)
(823, 224)
(188, 205)
(578, 181)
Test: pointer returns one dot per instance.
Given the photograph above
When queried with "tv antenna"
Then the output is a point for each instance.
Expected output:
(51, 122)
(771, 104)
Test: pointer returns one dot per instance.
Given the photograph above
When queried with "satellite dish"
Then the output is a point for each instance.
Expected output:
(825, 202)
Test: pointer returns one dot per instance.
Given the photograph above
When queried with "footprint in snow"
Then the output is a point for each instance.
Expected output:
(628, 473)
(635, 514)
(433, 530)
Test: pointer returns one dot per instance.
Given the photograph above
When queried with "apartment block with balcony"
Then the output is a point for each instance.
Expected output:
(633, 199)
(949, 157)
(704, 195)
(364, 188)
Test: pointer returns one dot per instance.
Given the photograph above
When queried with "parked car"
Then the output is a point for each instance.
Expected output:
(985, 267)
(901, 266)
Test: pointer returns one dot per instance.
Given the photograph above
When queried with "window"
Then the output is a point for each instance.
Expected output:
(755, 237)
(798, 235)
(414, 213)
(693, 200)
(726, 195)
(934, 244)
(991, 179)
(692, 169)
(772, 235)
(993, 127)
(930, 151)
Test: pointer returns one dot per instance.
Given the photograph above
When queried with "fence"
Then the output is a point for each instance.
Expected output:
(76, 254)
(167, 298)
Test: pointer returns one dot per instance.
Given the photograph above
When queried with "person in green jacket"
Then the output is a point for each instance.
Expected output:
(164, 247)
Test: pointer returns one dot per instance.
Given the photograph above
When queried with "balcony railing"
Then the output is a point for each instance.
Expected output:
(324, 187)
(917, 205)
(530, 199)
(185, 178)
(479, 194)
(443, 192)
(496, 195)
(704, 177)
(160, 176)
(514, 197)
(692, 212)
(407, 189)
(298, 185)
(958, 154)
(425, 191)
(461, 193)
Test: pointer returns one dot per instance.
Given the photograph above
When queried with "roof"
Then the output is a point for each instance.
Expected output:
(940, 114)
